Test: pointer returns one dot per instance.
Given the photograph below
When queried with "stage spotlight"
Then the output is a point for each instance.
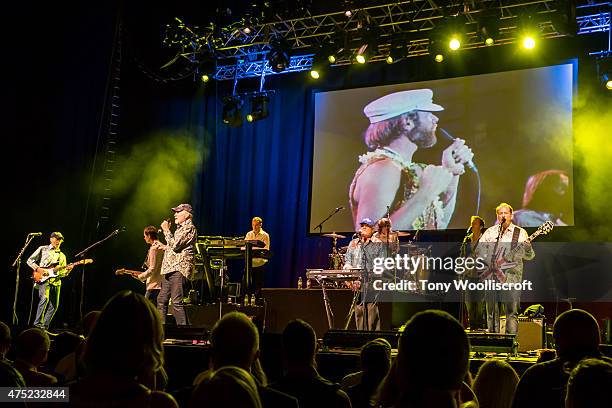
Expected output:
(331, 58)
(488, 26)
(397, 52)
(369, 43)
(437, 49)
(232, 111)
(528, 42)
(528, 32)
(259, 108)
(320, 61)
(278, 56)
(207, 67)
(454, 43)
(361, 55)
(604, 70)
(205, 78)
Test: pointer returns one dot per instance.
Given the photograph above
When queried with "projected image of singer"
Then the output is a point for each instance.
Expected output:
(420, 196)
(178, 262)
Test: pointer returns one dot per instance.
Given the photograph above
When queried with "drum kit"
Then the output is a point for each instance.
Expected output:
(336, 256)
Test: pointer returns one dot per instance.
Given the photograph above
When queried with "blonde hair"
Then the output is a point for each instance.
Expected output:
(503, 205)
(228, 386)
(495, 384)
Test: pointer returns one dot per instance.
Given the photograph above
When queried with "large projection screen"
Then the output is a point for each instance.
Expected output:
(517, 123)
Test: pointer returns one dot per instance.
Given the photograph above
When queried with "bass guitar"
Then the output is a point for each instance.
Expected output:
(41, 275)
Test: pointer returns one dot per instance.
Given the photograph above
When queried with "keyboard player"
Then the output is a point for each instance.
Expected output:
(259, 264)
(360, 255)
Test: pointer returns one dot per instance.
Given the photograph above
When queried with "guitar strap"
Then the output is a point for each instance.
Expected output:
(515, 237)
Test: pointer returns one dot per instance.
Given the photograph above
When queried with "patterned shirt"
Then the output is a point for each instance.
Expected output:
(46, 256)
(514, 271)
(355, 253)
(155, 257)
(179, 256)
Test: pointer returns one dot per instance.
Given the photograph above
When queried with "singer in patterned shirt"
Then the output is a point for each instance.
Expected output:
(178, 263)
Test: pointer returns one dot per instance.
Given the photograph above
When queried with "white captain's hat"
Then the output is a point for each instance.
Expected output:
(392, 105)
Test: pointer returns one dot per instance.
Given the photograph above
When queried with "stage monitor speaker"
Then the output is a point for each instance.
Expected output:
(493, 343)
(185, 332)
(531, 333)
(284, 305)
(606, 350)
(355, 339)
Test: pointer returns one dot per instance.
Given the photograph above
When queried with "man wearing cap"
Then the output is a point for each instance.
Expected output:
(361, 252)
(178, 262)
(49, 291)
(419, 196)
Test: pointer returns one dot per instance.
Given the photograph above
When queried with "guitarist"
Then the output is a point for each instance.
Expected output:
(495, 246)
(155, 256)
(48, 291)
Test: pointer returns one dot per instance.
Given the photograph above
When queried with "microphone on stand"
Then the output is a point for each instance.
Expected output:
(339, 208)
(118, 230)
(356, 235)
(450, 137)
(35, 234)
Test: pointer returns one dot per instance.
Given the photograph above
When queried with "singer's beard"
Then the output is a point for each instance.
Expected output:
(423, 138)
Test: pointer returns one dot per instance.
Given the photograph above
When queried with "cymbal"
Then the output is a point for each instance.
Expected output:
(402, 233)
(408, 245)
(333, 235)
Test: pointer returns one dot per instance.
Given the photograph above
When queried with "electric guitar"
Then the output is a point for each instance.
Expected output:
(499, 269)
(133, 274)
(41, 275)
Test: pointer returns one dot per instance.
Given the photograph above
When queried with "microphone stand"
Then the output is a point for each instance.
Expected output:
(463, 253)
(82, 255)
(364, 286)
(320, 228)
(17, 264)
(493, 265)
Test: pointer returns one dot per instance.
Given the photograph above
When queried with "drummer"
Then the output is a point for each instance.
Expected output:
(388, 237)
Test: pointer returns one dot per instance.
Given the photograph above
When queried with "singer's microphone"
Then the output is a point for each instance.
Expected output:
(339, 208)
(450, 137)
(356, 235)
(35, 234)
(169, 221)
(469, 230)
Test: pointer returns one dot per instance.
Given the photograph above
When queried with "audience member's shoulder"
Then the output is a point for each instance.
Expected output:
(9, 376)
(274, 398)
(544, 368)
(161, 399)
(332, 388)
